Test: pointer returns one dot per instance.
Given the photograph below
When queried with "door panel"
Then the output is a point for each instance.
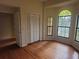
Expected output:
(34, 21)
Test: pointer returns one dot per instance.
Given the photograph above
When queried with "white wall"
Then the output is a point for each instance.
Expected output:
(54, 11)
(26, 7)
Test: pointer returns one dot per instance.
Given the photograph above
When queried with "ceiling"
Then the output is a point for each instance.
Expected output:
(55, 0)
(43, 0)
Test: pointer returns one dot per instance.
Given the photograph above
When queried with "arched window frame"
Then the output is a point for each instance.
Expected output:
(63, 28)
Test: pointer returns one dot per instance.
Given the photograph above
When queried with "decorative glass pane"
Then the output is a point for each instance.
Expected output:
(67, 32)
(50, 20)
(67, 21)
(78, 22)
(65, 13)
(77, 33)
(77, 36)
(61, 19)
(64, 21)
(59, 31)
(50, 30)
(64, 32)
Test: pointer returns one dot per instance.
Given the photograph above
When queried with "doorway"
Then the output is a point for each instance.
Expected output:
(10, 30)
(35, 27)
(7, 31)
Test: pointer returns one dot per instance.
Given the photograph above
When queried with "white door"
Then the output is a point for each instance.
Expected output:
(35, 22)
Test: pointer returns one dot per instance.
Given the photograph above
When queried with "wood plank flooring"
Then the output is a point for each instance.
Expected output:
(39, 50)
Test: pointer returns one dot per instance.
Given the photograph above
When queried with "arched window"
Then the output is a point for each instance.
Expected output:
(64, 23)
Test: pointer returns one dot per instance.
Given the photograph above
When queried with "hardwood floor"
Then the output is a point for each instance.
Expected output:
(39, 50)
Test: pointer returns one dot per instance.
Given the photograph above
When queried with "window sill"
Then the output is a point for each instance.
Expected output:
(62, 37)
